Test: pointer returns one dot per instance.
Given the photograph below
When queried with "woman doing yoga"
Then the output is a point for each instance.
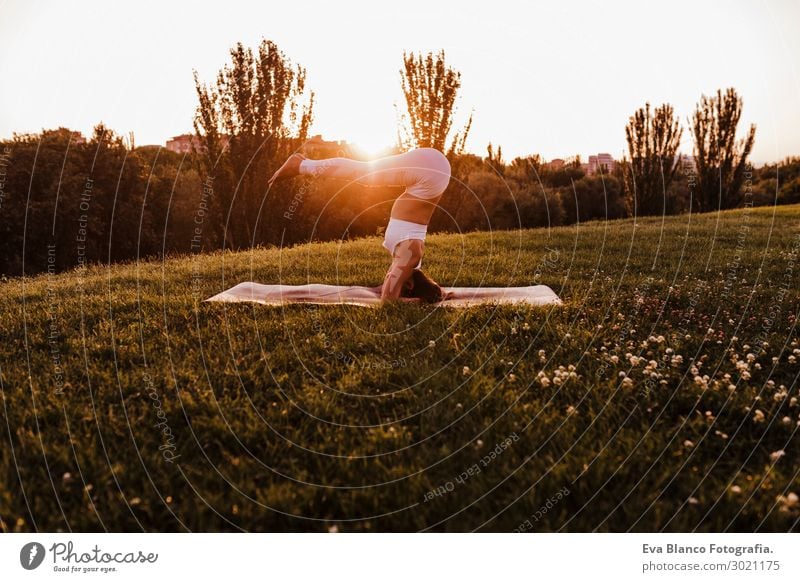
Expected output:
(425, 173)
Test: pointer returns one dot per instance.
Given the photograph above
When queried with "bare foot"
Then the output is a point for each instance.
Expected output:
(289, 169)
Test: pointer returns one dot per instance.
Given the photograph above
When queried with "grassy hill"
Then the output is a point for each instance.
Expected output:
(130, 405)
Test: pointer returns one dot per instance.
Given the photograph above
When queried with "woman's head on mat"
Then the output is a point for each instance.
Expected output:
(421, 286)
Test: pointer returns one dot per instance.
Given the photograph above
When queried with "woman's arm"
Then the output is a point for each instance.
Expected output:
(407, 255)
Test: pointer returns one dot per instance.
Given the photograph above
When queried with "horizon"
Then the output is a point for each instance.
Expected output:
(78, 80)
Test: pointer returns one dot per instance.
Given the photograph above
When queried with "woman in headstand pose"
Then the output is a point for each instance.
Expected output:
(425, 173)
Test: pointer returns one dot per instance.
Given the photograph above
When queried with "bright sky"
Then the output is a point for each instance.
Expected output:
(553, 77)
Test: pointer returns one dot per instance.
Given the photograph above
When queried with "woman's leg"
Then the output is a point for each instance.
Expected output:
(388, 171)
(425, 172)
(426, 168)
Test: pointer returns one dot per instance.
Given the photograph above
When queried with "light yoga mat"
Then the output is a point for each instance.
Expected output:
(370, 296)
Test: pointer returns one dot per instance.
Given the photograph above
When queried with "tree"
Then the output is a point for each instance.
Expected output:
(246, 126)
(75, 202)
(495, 159)
(719, 159)
(653, 142)
(593, 197)
(430, 88)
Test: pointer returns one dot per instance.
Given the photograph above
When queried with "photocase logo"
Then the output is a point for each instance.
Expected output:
(31, 555)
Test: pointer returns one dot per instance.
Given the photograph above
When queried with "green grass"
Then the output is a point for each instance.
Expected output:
(309, 417)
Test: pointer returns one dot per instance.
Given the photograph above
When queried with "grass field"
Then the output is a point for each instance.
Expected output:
(661, 396)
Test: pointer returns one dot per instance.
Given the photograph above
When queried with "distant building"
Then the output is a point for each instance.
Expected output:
(188, 142)
(600, 163)
(316, 147)
(183, 144)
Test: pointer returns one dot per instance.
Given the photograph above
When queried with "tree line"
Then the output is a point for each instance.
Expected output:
(65, 202)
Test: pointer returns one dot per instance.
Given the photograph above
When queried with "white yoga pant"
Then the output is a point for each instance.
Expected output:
(425, 173)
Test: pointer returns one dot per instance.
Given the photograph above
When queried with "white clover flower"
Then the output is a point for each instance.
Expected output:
(776, 455)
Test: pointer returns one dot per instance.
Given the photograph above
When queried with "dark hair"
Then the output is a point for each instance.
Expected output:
(423, 287)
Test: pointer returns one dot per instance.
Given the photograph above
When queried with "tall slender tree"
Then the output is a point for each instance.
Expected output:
(430, 88)
(495, 158)
(719, 159)
(653, 141)
(246, 125)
